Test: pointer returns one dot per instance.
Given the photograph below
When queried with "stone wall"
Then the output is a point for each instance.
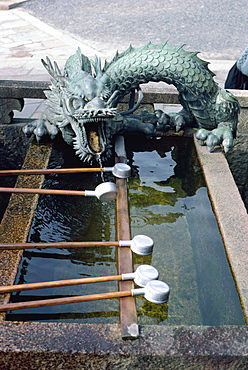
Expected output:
(237, 157)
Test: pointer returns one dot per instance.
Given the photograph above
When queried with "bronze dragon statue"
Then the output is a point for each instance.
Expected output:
(82, 102)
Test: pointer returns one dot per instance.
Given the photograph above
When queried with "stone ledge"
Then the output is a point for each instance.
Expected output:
(23, 89)
(153, 92)
(230, 213)
(74, 346)
(10, 4)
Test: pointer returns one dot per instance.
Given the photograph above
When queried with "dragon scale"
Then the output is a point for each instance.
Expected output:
(84, 98)
(172, 65)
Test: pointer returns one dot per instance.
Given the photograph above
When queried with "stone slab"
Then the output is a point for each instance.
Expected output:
(70, 346)
(18, 216)
(98, 347)
(231, 215)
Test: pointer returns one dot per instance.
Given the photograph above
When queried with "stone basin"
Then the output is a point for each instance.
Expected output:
(70, 346)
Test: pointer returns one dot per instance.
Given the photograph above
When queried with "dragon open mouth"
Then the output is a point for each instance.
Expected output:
(90, 129)
(95, 135)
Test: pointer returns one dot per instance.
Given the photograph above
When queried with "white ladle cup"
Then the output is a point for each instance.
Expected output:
(142, 275)
(140, 244)
(155, 291)
(105, 192)
(120, 170)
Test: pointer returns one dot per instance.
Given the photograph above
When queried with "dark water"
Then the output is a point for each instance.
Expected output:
(168, 202)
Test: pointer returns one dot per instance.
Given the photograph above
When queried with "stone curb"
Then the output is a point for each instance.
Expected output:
(67, 38)
(10, 4)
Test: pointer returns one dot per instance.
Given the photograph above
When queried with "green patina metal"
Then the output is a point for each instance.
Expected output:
(83, 100)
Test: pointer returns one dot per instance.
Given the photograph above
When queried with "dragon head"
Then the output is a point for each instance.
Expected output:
(89, 108)
(83, 103)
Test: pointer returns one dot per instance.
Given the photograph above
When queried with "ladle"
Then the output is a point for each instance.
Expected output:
(140, 244)
(105, 191)
(155, 291)
(120, 170)
(142, 275)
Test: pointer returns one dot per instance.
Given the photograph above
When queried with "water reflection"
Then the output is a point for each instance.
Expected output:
(169, 202)
(160, 179)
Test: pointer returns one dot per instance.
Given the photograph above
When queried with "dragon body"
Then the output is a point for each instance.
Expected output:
(82, 103)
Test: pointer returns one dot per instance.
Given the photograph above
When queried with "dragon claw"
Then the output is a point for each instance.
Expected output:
(222, 135)
(40, 128)
(40, 131)
(83, 99)
(202, 135)
(163, 120)
(227, 143)
(180, 122)
(212, 141)
(29, 129)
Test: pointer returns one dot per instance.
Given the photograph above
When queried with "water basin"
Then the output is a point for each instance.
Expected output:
(169, 202)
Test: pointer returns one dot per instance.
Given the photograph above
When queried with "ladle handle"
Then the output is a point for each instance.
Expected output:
(90, 193)
(65, 300)
(138, 291)
(47, 171)
(57, 283)
(16, 246)
(128, 276)
(125, 243)
(42, 191)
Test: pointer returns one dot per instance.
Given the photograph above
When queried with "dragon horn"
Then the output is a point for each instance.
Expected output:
(97, 66)
(49, 67)
(55, 71)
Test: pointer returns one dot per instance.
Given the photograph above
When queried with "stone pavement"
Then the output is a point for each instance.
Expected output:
(25, 40)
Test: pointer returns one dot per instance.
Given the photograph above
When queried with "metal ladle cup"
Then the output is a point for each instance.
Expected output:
(142, 275)
(155, 291)
(120, 170)
(140, 244)
(105, 192)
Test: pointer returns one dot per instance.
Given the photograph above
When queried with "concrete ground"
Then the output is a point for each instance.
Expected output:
(25, 39)
(36, 29)
(215, 28)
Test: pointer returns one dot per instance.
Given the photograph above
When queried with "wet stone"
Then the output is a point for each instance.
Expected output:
(19, 213)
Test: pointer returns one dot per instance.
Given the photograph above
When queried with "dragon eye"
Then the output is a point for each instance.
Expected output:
(75, 103)
(104, 96)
